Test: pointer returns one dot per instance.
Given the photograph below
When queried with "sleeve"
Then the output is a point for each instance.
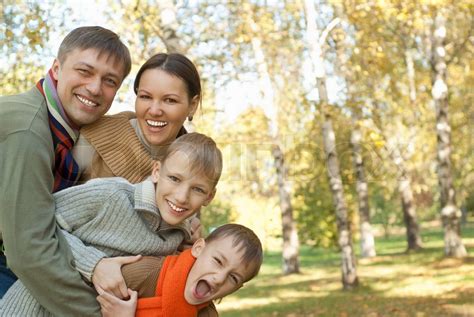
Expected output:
(208, 311)
(142, 276)
(86, 257)
(36, 249)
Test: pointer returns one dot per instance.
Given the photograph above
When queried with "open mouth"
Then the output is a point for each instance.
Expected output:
(86, 101)
(202, 290)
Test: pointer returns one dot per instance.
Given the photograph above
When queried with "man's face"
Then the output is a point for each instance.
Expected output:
(217, 272)
(87, 84)
(180, 191)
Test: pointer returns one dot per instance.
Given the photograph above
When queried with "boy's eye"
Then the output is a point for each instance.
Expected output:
(234, 279)
(173, 178)
(218, 261)
(199, 190)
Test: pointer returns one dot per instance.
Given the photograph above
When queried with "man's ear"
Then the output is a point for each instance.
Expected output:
(210, 197)
(55, 68)
(197, 247)
(155, 174)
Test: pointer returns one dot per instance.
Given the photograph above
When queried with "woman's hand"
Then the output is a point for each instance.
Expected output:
(112, 306)
(108, 275)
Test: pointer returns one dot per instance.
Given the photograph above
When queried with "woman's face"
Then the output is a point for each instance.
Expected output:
(162, 105)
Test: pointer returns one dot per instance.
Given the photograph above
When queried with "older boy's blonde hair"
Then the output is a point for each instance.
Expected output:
(203, 154)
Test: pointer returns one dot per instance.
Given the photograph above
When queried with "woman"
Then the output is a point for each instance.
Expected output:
(168, 90)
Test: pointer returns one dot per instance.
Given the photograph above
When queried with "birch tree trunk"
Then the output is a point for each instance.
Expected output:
(316, 41)
(450, 213)
(348, 265)
(290, 235)
(367, 242)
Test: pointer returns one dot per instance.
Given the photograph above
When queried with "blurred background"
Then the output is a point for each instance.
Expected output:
(347, 132)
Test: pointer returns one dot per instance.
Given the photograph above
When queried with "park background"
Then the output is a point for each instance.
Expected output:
(347, 131)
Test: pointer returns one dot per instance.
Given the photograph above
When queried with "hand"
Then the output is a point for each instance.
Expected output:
(111, 306)
(107, 275)
(196, 229)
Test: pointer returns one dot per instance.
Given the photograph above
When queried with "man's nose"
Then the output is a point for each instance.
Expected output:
(94, 86)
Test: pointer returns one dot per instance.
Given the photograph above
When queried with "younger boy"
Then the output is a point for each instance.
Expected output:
(213, 268)
(112, 217)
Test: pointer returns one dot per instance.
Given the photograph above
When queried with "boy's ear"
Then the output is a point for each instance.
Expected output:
(156, 171)
(197, 247)
(210, 197)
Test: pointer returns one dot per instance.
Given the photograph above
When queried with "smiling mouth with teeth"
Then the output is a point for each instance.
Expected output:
(176, 208)
(158, 124)
(87, 102)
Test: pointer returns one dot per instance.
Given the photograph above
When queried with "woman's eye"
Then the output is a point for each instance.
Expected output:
(143, 96)
(171, 100)
(217, 261)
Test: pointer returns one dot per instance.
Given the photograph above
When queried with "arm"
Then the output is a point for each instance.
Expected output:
(36, 249)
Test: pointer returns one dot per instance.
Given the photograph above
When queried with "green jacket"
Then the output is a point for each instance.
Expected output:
(36, 250)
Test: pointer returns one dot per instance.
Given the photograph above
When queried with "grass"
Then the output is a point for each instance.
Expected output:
(393, 283)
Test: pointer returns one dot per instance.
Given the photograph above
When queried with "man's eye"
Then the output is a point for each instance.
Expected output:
(111, 82)
(218, 261)
(83, 71)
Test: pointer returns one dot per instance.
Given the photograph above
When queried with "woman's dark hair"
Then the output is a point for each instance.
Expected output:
(175, 64)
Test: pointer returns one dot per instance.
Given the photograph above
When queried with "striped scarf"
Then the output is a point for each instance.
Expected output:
(64, 133)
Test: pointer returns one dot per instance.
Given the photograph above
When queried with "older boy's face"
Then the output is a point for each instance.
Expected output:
(180, 191)
(87, 84)
(217, 272)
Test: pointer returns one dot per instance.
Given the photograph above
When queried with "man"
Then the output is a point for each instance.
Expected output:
(37, 130)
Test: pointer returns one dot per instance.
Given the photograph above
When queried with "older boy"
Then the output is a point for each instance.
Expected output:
(213, 268)
(37, 130)
(114, 217)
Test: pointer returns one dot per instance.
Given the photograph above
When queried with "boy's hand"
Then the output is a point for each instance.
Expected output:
(107, 275)
(112, 306)
(196, 229)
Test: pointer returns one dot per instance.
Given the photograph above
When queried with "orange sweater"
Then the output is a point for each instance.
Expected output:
(169, 295)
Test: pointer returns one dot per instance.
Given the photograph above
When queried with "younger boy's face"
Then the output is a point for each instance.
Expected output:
(180, 191)
(217, 272)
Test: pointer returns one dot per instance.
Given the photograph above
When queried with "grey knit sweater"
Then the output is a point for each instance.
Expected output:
(103, 217)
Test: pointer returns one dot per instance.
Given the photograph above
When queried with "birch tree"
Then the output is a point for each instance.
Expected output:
(316, 40)
(266, 87)
(450, 212)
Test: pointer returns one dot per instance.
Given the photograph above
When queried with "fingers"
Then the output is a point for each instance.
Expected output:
(129, 259)
(133, 295)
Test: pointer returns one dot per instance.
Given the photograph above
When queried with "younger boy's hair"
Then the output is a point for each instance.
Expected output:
(246, 239)
(203, 154)
(103, 40)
